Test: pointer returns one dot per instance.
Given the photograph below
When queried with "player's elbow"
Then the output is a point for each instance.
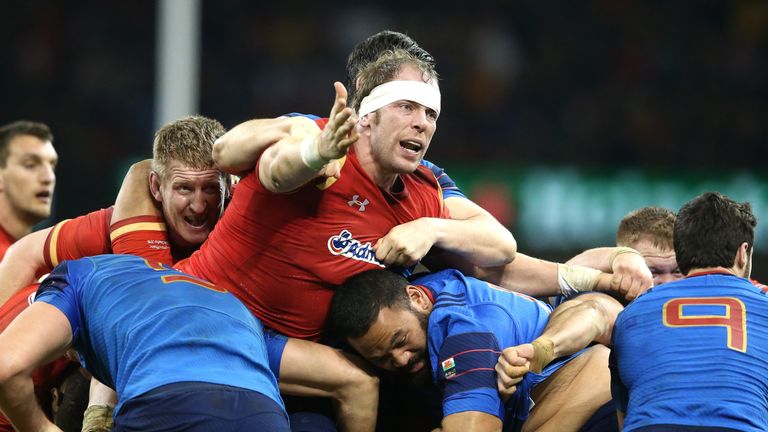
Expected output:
(11, 369)
(508, 248)
(223, 157)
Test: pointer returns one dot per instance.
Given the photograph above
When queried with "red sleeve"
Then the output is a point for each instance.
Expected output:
(79, 237)
(17, 303)
(144, 236)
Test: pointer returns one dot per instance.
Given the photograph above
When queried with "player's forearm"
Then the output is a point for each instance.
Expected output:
(22, 263)
(281, 168)
(18, 403)
(134, 198)
(597, 258)
(238, 150)
(482, 242)
(527, 275)
(577, 323)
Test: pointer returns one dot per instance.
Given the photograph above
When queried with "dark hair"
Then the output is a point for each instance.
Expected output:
(73, 400)
(373, 47)
(652, 223)
(358, 301)
(709, 230)
(21, 127)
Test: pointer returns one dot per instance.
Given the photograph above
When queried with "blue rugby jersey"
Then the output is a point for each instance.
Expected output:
(694, 352)
(139, 326)
(470, 323)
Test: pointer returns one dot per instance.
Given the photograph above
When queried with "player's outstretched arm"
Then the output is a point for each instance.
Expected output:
(471, 233)
(237, 151)
(23, 262)
(50, 330)
(631, 276)
(300, 157)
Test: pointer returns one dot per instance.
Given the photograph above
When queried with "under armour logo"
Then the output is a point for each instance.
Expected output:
(356, 201)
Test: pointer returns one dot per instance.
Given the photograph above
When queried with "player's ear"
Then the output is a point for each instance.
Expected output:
(419, 299)
(742, 256)
(154, 186)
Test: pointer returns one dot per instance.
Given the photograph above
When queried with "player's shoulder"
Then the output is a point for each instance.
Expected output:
(447, 283)
(321, 122)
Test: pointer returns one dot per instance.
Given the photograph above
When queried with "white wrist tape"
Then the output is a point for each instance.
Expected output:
(310, 153)
(618, 251)
(574, 279)
(424, 94)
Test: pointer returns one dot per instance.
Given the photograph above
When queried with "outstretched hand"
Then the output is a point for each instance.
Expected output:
(340, 131)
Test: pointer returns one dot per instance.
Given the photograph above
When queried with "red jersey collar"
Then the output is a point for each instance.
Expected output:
(711, 272)
(428, 292)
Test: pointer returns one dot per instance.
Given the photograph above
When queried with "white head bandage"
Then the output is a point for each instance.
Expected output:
(422, 93)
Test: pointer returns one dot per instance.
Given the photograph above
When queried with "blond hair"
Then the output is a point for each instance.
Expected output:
(653, 223)
(188, 140)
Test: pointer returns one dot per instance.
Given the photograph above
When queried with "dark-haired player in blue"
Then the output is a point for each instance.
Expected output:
(692, 355)
(180, 352)
(452, 328)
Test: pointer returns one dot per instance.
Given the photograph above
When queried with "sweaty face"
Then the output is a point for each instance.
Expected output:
(401, 131)
(661, 262)
(397, 341)
(28, 179)
(190, 199)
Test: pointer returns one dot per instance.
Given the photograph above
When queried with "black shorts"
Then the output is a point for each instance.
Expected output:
(201, 407)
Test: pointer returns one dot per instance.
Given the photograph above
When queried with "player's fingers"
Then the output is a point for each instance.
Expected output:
(339, 101)
(510, 376)
(616, 282)
(342, 131)
(637, 288)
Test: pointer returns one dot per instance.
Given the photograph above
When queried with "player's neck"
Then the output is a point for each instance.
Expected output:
(13, 223)
(712, 270)
(374, 170)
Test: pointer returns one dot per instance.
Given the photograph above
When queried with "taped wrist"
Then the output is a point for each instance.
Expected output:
(574, 279)
(97, 418)
(310, 153)
(543, 353)
(618, 251)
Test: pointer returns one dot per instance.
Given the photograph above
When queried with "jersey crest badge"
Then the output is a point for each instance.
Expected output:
(345, 245)
(449, 367)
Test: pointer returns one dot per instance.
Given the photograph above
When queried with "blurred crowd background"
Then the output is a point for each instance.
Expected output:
(558, 116)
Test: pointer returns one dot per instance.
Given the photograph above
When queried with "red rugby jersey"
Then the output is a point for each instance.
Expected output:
(281, 254)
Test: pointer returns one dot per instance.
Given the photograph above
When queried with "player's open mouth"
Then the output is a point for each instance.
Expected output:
(411, 146)
(196, 222)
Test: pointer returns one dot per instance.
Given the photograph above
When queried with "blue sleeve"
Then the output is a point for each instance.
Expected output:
(60, 290)
(467, 375)
(447, 184)
(295, 114)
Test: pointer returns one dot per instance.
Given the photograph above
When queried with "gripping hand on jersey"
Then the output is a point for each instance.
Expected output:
(631, 276)
(512, 366)
(406, 244)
